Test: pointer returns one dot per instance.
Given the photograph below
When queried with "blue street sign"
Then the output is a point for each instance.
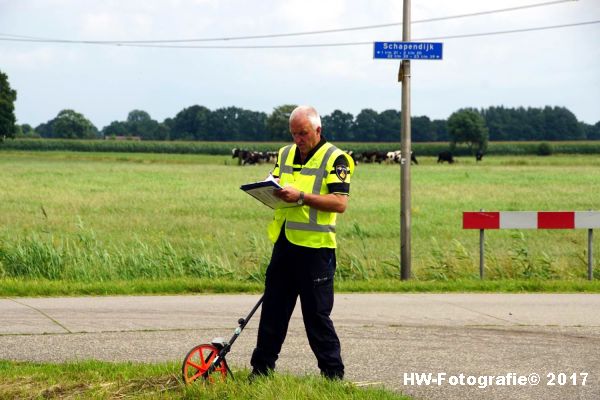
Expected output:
(407, 50)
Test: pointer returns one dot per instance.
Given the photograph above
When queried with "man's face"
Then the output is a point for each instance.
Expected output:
(304, 135)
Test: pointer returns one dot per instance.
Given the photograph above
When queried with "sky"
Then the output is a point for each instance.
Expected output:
(555, 67)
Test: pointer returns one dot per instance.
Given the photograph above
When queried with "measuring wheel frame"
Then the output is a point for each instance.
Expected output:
(200, 363)
(208, 360)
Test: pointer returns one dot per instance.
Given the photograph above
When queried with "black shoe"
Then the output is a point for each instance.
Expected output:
(333, 374)
(258, 373)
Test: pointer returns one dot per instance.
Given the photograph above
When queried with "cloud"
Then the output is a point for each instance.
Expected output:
(30, 59)
(530, 67)
(311, 14)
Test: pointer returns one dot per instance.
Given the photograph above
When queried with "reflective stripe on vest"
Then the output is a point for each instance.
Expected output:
(319, 174)
(285, 169)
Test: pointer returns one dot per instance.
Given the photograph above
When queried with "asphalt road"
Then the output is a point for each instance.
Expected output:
(386, 338)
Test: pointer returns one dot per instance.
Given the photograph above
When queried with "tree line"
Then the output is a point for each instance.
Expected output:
(472, 126)
(238, 124)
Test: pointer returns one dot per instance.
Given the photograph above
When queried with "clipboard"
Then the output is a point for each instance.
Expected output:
(263, 192)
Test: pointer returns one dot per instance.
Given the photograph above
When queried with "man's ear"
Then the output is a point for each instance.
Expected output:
(319, 130)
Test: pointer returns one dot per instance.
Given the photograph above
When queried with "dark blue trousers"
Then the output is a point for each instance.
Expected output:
(306, 272)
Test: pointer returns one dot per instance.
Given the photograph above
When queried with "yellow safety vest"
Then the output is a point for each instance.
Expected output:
(304, 225)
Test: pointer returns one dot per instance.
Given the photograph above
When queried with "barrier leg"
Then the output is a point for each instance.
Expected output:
(590, 254)
(481, 252)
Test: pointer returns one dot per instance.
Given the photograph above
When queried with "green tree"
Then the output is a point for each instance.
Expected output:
(252, 125)
(139, 123)
(278, 123)
(224, 123)
(70, 124)
(495, 121)
(191, 123)
(561, 124)
(366, 125)
(234, 123)
(440, 127)
(422, 130)
(548, 123)
(468, 126)
(26, 131)
(388, 126)
(338, 125)
(44, 129)
(115, 128)
(8, 97)
(594, 133)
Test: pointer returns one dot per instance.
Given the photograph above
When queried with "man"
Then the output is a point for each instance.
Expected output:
(316, 176)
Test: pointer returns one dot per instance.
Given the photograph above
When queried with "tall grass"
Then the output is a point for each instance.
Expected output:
(86, 259)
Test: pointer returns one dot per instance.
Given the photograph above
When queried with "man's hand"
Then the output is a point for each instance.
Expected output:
(332, 202)
(288, 194)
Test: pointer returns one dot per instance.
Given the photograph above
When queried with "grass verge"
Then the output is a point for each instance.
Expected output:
(26, 288)
(103, 380)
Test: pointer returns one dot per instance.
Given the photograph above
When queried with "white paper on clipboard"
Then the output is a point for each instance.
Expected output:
(263, 192)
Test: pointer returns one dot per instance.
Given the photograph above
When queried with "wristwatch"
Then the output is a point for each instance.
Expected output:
(300, 201)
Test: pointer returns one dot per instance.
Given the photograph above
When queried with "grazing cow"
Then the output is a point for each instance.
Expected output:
(272, 157)
(368, 156)
(393, 156)
(445, 156)
(268, 156)
(374, 156)
(397, 157)
(380, 156)
(413, 158)
(479, 155)
(240, 154)
(354, 156)
(251, 157)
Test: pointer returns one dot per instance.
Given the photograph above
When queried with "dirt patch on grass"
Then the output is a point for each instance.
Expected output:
(152, 385)
(28, 388)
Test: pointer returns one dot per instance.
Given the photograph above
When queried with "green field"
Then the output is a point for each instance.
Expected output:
(98, 217)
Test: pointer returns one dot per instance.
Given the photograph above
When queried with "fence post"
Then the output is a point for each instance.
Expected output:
(590, 254)
(481, 251)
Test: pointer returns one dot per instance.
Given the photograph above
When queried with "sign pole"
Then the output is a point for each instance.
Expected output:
(406, 51)
(405, 138)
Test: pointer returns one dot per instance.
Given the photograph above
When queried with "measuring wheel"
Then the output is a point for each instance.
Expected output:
(198, 361)
(208, 360)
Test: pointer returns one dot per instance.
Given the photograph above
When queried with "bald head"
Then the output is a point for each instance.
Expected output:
(305, 127)
(306, 112)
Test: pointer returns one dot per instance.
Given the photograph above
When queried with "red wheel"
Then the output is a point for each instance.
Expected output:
(197, 362)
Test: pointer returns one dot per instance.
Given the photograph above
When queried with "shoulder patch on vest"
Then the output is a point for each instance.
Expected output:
(342, 172)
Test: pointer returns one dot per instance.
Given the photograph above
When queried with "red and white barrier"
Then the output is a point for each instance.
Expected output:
(531, 220)
(483, 220)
